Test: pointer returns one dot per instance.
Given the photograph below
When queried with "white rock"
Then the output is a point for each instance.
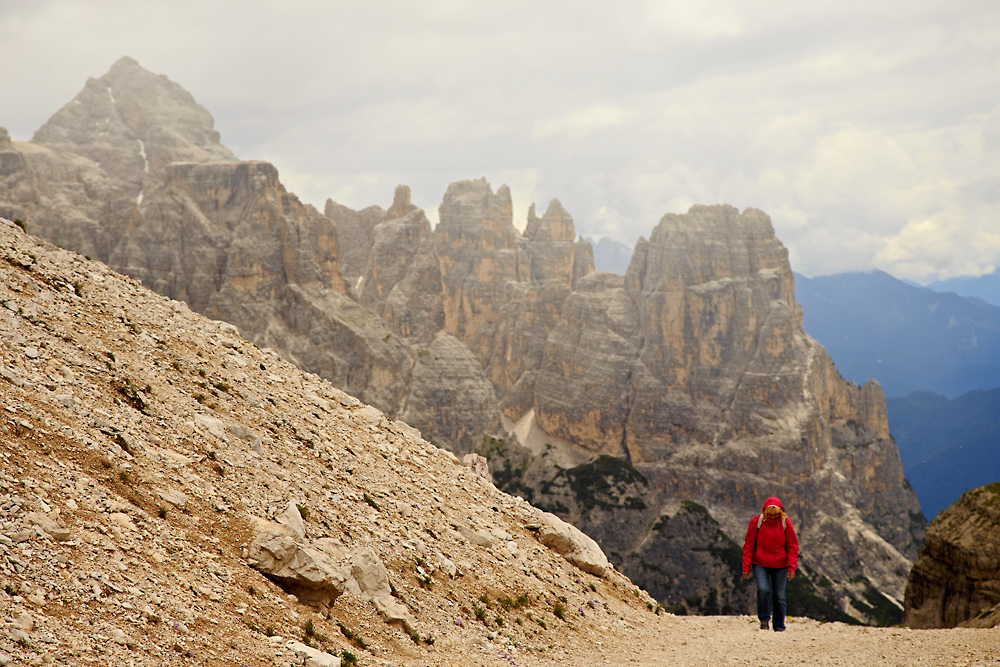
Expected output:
(569, 542)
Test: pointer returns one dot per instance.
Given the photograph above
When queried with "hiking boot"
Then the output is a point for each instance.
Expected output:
(763, 625)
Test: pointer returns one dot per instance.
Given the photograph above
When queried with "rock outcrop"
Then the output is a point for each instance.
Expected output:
(955, 581)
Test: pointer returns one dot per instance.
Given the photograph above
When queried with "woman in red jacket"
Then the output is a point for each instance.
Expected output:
(772, 550)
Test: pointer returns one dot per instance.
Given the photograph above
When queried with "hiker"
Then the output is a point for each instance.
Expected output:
(772, 551)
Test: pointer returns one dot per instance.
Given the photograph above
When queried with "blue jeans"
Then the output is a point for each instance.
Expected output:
(771, 594)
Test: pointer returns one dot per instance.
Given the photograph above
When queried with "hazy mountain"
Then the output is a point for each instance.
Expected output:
(611, 255)
(947, 446)
(986, 287)
(908, 338)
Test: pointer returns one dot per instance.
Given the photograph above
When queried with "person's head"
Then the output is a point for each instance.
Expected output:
(773, 508)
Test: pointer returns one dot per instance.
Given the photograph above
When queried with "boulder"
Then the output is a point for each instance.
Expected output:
(569, 542)
(319, 573)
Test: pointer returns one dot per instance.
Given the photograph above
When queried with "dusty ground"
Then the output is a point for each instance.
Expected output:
(738, 641)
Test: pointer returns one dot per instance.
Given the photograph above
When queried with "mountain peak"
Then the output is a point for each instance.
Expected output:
(132, 121)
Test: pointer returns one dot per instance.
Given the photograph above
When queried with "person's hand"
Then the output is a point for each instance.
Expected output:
(791, 575)
(746, 575)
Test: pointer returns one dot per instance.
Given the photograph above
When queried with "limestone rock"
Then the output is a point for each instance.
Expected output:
(955, 581)
(479, 465)
(450, 400)
(318, 573)
(570, 542)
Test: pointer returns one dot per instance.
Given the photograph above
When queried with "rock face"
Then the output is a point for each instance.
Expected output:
(955, 580)
(654, 410)
(695, 371)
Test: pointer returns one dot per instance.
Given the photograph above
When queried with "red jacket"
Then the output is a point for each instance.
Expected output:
(769, 543)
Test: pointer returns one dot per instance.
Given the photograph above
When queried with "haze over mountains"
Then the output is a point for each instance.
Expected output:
(937, 357)
(654, 409)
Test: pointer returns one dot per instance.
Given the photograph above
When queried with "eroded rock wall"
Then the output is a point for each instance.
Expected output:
(955, 580)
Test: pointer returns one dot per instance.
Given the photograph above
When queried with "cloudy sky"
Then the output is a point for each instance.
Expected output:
(868, 131)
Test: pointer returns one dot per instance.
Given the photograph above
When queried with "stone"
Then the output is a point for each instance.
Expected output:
(50, 526)
(177, 498)
(569, 542)
(313, 657)
(479, 465)
(122, 520)
(292, 519)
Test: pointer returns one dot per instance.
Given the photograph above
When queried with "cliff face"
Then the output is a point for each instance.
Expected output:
(955, 580)
(696, 371)
(656, 410)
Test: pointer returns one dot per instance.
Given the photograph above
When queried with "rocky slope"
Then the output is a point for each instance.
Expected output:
(167, 486)
(955, 580)
(655, 410)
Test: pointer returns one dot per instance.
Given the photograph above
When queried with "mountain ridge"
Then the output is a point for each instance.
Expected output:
(693, 367)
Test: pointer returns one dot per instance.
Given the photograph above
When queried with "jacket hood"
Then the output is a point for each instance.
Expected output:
(773, 500)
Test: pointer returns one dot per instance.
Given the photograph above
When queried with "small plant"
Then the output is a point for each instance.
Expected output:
(222, 386)
(371, 502)
(498, 620)
(201, 398)
(352, 636)
(559, 609)
(176, 364)
(125, 477)
(110, 355)
(481, 614)
(212, 455)
(484, 599)
(201, 371)
(311, 633)
(20, 223)
(162, 513)
(348, 659)
(303, 511)
(77, 288)
(106, 462)
(269, 631)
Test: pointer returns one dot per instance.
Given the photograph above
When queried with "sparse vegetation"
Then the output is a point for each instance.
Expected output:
(352, 636)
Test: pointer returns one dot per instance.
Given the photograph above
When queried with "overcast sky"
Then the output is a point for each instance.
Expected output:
(868, 131)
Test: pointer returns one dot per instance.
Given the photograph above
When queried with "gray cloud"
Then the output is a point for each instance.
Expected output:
(868, 131)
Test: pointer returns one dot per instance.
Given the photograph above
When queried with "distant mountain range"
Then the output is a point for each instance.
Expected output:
(936, 355)
(610, 255)
(947, 446)
(985, 287)
(908, 338)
